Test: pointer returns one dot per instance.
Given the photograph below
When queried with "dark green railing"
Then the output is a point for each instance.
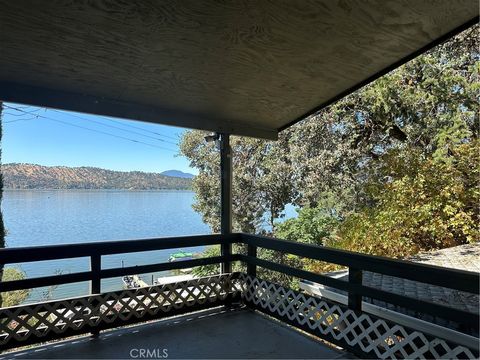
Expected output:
(356, 263)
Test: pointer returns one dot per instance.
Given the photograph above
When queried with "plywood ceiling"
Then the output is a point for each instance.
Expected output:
(243, 67)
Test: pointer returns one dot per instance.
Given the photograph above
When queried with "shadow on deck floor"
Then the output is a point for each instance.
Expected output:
(211, 334)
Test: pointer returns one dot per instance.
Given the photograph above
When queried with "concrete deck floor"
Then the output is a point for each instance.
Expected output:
(210, 334)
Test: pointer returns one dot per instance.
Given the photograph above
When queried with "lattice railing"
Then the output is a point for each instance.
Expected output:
(39, 322)
(357, 331)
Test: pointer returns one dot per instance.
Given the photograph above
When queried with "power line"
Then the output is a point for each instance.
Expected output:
(139, 128)
(24, 112)
(106, 118)
(86, 128)
(23, 106)
(12, 121)
(114, 127)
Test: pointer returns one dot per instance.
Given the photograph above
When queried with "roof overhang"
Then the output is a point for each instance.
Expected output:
(241, 67)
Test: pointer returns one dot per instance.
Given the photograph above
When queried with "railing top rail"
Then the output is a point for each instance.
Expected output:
(451, 278)
(65, 251)
(435, 275)
(61, 279)
(419, 305)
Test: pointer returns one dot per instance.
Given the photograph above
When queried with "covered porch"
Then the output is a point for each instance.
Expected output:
(248, 69)
(328, 324)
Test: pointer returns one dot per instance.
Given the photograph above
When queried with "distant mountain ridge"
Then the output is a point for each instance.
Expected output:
(178, 173)
(32, 176)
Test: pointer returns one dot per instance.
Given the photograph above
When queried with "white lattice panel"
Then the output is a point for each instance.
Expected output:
(18, 324)
(365, 332)
(369, 334)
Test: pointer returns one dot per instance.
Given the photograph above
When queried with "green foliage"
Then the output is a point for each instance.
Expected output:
(426, 204)
(282, 259)
(214, 269)
(13, 298)
(391, 169)
(207, 270)
(428, 105)
(312, 226)
(275, 256)
(261, 180)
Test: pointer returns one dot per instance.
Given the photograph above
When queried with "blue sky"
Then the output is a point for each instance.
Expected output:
(52, 137)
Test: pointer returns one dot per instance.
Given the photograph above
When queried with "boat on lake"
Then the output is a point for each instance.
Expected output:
(181, 256)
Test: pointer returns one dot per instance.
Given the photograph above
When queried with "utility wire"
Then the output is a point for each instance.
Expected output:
(23, 112)
(12, 121)
(139, 128)
(86, 128)
(114, 127)
(18, 107)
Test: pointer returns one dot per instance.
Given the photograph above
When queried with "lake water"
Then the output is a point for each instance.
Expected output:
(38, 217)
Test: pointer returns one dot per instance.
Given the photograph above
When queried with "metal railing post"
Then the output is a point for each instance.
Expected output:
(96, 282)
(252, 268)
(354, 299)
(226, 198)
(95, 267)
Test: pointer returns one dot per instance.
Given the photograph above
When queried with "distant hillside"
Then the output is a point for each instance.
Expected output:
(178, 173)
(31, 176)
